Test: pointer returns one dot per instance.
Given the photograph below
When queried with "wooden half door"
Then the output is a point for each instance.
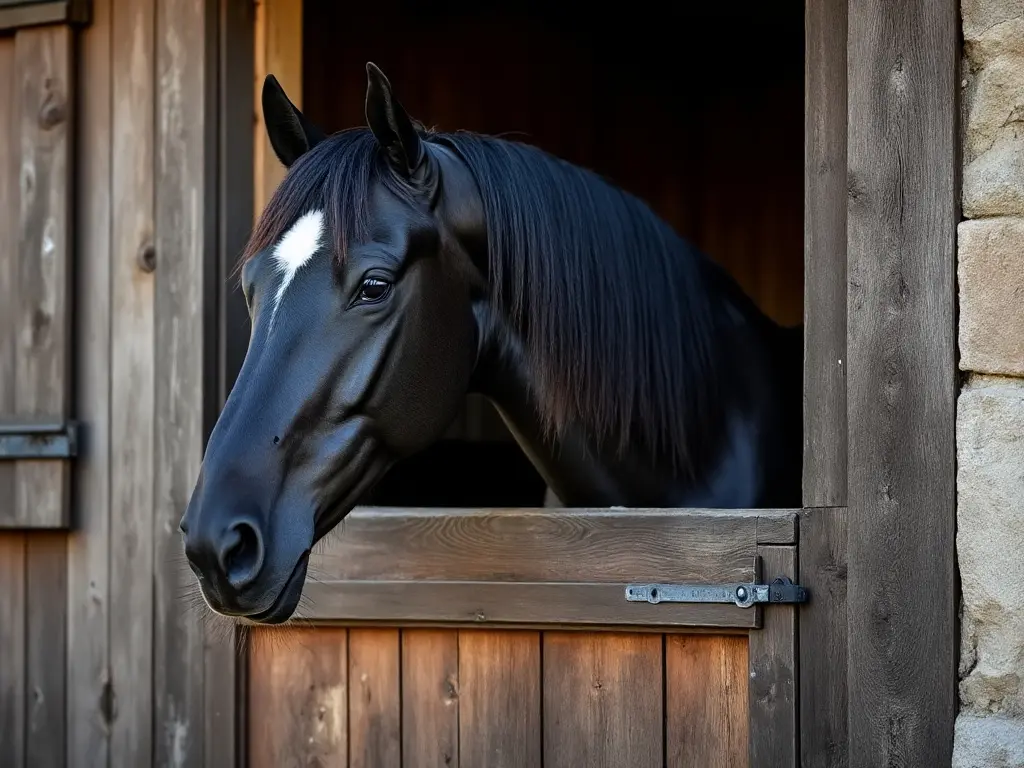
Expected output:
(503, 638)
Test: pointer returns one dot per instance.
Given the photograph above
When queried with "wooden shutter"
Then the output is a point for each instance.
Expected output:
(37, 441)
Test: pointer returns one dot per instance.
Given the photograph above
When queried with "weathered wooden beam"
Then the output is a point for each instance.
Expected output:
(577, 545)
(902, 381)
(537, 566)
(825, 363)
(822, 630)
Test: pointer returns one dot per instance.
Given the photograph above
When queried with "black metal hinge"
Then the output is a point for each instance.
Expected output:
(38, 441)
(781, 590)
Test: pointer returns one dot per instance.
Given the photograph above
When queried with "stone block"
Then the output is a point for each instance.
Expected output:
(991, 284)
(990, 532)
(993, 96)
(995, 105)
(991, 27)
(988, 742)
(993, 183)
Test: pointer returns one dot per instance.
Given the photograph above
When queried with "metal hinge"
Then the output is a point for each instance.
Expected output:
(38, 441)
(782, 590)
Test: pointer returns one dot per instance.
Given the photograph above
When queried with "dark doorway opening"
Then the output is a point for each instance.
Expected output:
(698, 109)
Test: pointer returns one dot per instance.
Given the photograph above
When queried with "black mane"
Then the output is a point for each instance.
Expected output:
(613, 306)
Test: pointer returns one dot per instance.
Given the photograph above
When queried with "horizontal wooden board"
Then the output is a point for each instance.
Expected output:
(18, 14)
(536, 567)
(509, 603)
(546, 545)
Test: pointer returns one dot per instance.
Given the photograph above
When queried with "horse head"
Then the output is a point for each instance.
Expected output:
(359, 284)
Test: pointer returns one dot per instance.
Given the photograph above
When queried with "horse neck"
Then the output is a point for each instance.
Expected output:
(582, 473)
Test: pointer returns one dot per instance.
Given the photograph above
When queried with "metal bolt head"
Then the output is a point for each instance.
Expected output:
(741, 593)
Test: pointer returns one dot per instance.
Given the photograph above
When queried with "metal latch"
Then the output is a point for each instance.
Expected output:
(782, 590)
(38, 441)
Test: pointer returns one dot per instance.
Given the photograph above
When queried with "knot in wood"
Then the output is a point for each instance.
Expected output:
(146, 258)
(54, 109)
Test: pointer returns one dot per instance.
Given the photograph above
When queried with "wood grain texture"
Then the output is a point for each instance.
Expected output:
(13, 617)
(773, 673)
(46, 648)
(602, 699)
(825, 359)
(495, 604)
(706, 701)
(822, 628)
(132, 382)
(430, 698)
(9, 164)
(298, 698)
(374, 703)
(278, 43)
(88, 683)
(185, 239)
(12, 544)
(14, 15)
(42, 60)
(902, 214)
(499, 699)
(597, 546)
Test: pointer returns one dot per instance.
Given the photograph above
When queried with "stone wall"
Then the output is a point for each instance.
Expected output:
(990, 412)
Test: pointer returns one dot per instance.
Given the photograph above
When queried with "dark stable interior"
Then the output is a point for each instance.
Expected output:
(697, 109)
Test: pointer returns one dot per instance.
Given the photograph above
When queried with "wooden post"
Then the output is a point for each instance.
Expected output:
(902, 216)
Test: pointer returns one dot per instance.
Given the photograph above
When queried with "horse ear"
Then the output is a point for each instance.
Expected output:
(290, 133)
(390, 123)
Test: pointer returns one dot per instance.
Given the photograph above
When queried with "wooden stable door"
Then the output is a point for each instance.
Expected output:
(442, 697)
(503, 638)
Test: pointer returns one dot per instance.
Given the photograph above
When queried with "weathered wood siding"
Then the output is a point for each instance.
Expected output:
(36, 158)
(109, 251)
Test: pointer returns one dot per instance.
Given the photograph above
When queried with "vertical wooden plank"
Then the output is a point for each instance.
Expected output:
(90, 708)
(825, 361)
(903, 210)
(822, 628)
(13, 612)
(706, 702)
(499, 699)
(773, 672)
(603, 704)
(9, 207)
(430, 698)
(298, 698)
(43, 59)
(185, 322)
(43, 352)
(132, 382)
(374, 705)
(46, 648)
(12, 545)
(278, 42)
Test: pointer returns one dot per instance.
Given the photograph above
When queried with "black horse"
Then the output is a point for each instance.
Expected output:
(395, 269)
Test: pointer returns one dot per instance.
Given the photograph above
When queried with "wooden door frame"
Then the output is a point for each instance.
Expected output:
(882, 190)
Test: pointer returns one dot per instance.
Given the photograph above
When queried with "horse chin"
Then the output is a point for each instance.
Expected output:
(283, 607)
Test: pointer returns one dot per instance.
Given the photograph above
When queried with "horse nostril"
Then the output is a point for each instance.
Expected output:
(241, 554)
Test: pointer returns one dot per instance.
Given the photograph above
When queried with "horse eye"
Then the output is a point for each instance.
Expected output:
(374, 289)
